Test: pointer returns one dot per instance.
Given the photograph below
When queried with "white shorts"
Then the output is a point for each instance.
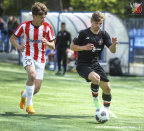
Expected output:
(39, 67)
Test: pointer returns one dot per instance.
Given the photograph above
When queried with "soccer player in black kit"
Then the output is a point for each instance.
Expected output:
(62, 40)
(89, 43)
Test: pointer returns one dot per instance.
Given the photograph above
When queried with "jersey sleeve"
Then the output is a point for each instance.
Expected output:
(79, 38)
(19, 30)
(50, 34)
(107, 39)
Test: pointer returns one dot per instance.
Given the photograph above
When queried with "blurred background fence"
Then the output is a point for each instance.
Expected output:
(130, 32)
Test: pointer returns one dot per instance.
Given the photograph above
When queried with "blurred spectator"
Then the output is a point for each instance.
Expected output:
(70, 55)
(70, 9)
(65, 10)
(15, 23)
(62, 40)
(10, 22)
(3, 33)
(74, 60)
(3, 26)
(12, 25)
(51, 56)
(51, 59)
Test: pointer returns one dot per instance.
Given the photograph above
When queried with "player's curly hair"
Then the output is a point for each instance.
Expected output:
(98, 16)
(39, 9)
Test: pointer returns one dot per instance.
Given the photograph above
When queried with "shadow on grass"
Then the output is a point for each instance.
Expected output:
(11, 114)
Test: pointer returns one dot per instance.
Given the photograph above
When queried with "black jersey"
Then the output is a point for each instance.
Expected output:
(62, 40)
(99, 40)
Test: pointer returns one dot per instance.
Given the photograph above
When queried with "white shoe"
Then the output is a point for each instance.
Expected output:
(112, 115)
(98, 104)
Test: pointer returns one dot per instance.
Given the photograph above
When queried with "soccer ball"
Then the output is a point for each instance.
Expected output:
(102, 115)
(51, 67)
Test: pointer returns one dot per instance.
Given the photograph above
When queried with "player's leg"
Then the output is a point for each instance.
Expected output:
(39, 67)
(28, 64)
(95, 79)
(38, 83)
(59, 58)
(64, 62)
(30, 85)
(90, 76)
(106, 95)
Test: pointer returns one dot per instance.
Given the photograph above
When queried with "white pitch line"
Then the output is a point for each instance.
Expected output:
(12, 70)
(127, 87)
(65, 78)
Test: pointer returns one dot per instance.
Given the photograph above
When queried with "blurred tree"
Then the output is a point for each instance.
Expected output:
(55, 5)
(1, 8)
(66, 4)
(120, 8)
(13, 7)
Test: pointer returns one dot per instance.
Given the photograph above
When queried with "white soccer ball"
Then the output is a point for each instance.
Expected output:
(102, 115)
(51, 67)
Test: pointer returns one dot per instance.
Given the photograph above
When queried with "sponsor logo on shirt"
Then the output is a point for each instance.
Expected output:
(88, 38)
(100, 42)
(34, 41)
(94, 49)
(65, 33)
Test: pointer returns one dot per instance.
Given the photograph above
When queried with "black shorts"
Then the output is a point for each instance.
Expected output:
(85, 70)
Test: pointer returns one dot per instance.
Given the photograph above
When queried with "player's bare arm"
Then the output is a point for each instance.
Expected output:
(113, 46)
(74, 47)
(51, 45)
(16, 44)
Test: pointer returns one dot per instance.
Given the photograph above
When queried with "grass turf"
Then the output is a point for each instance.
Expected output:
(64, 103)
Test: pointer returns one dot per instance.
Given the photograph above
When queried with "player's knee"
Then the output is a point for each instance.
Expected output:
(107, 90)
(95, 79)
(32, 76)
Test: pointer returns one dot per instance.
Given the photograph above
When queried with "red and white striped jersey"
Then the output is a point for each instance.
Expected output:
(32, 38)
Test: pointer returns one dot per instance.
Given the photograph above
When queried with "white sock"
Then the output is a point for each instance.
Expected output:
(107, 107)
(29, 94)
(95, 98)
(24, 94)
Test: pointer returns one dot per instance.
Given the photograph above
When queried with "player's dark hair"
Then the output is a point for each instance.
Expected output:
(97, 16)
(39, 9)
(62, 23)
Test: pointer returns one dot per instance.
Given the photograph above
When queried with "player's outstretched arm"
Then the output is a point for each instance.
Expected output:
(114, 43)
(74, 47)
(51, 45)
(16, 44)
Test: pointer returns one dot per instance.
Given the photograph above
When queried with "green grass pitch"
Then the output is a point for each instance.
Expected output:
(65, 103)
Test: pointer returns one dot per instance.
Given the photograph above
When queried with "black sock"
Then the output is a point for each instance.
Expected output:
(107, 100)
(94, 89)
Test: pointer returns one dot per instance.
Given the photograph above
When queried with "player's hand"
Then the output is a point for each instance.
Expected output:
(44, 40)
(89, 46)
(22, 47)
(115, 40)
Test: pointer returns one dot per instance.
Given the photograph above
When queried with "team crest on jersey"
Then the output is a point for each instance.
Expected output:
(100, 42)
(29, 62)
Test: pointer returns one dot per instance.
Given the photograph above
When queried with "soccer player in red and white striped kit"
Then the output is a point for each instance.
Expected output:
(38, 34)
